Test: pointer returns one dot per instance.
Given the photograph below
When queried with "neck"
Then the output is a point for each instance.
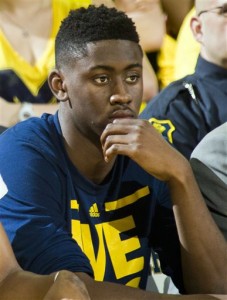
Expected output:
(222, 62)
(86, 155)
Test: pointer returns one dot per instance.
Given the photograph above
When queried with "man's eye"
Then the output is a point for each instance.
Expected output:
(132, 78)
(101, 79)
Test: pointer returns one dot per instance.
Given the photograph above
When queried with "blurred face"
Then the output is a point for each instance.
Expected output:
(211, 30)
(102, 86)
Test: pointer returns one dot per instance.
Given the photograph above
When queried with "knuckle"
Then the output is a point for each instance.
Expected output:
(115, 148)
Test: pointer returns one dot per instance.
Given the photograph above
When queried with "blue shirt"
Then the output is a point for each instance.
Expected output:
(57, 219)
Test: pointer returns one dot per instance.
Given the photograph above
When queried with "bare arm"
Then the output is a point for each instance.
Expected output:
(9, 112)
(111, 291)
(20, 285)
(176, 12)
(11, 275)
(8, 263)
(148, 17)
(204, 250)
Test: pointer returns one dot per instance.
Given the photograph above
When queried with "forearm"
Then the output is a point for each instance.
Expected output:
(204, 269)
(149, 19)
(175, 16)
(111, 291)
(8, 263)
(14, 282)
(10, 112)
(23, 285)
(204, 249)
(39, 109)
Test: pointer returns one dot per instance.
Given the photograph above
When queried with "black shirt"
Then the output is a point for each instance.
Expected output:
(189, 108)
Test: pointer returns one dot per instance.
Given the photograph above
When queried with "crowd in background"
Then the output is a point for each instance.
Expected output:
(184, 46)
(27, 32)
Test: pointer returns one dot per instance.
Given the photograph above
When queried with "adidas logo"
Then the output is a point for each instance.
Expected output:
(93, 211)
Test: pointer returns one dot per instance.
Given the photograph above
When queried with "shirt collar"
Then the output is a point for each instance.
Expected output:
(213, 73)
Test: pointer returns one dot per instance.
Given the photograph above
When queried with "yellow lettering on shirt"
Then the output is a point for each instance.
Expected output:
(99, 263)
(121, 265)
(111, 240)
(111, 233)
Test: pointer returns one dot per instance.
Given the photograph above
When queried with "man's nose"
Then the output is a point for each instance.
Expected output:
(120, 94)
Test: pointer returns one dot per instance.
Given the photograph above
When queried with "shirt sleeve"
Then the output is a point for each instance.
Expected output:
(209, 164)
(177, 117)
(214, 192)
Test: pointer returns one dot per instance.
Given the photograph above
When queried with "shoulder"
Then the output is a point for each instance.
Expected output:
(36, 133)
(213, 147)
(211, 154)
(209, 164)
(170, 109)
(176, 91)
(32, 147)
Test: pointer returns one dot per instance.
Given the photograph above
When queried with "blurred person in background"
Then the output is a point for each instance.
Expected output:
(209, 163)
(27, 34)
(150, 23)
(186, 110)
(175, 12)
(186, 46)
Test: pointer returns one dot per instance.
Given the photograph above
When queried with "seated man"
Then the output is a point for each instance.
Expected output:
(189, 108)
(17, 284)
(93, 189)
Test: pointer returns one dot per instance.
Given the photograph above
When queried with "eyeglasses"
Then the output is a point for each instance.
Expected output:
(220, 10)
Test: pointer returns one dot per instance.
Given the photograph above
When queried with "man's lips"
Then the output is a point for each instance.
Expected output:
(122, 114)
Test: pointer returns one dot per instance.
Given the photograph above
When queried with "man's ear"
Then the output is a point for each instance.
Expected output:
(196, 28)
(57, 85)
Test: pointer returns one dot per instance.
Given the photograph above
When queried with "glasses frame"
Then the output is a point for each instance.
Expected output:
(221, 13)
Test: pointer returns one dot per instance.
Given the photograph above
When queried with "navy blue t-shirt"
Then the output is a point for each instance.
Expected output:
(57, 219)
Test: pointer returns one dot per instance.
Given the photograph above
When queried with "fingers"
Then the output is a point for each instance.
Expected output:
(140, 141)
(123, 136)
(122, 127)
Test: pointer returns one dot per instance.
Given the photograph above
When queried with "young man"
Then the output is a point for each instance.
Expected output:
(191, 107)
(88, 189)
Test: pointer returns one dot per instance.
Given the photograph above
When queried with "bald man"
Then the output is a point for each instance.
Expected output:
(189, 108)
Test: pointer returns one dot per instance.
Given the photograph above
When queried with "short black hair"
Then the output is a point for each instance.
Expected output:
(85, 25)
